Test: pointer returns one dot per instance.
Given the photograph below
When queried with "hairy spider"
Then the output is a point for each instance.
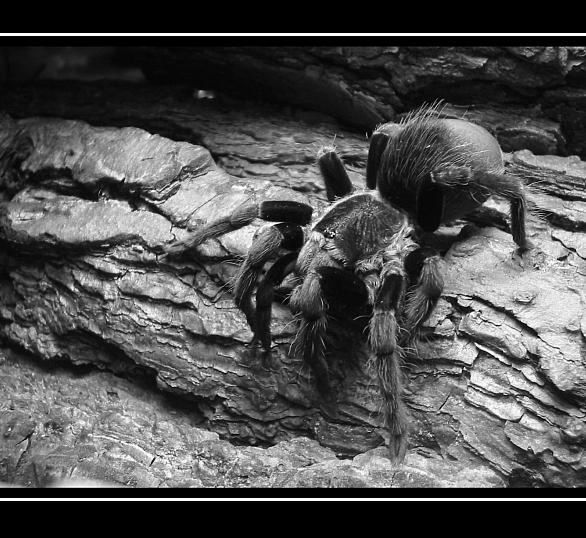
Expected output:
(362, 254)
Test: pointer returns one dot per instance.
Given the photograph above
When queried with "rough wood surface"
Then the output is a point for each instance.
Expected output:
(79, 427)
(497, 398)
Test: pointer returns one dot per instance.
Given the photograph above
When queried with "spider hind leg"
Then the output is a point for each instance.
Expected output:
(378, 143)
(429, 206)
(487, 183)
(334, 173)
(511, 188)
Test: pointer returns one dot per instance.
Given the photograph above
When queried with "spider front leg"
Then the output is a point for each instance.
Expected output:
(244, 214)
(265, 295)
(309, 344)
(326, 289)
(383, 342)
(266, 245)
(511, 188)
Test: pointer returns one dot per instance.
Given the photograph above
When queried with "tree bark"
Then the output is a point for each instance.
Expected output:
(496, 398)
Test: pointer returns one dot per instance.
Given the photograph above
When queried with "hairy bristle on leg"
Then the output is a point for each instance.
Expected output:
(511, 188)
(265, 245)
(378, 143)
(382, 341)
(424, 267)
(292, 212)
(264, 297)
(310, 341)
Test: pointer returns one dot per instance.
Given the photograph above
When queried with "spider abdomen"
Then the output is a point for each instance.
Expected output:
(437, 169)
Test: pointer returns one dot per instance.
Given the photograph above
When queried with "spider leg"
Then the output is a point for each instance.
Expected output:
(334, 173)
(511, 188)
(378, 143)
(244, 214)
(265, 245)
(265, 294)
(482, 182)
(430, 198)
(423, 266)
(430, 203)
(383, 342)
(326, 289)
(309, 300)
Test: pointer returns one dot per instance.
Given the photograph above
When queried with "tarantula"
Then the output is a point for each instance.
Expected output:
(362, 253)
